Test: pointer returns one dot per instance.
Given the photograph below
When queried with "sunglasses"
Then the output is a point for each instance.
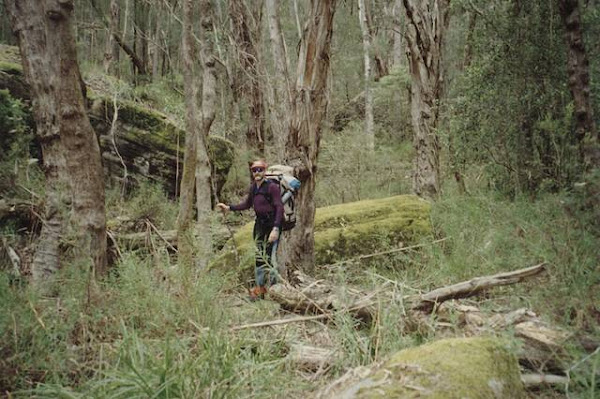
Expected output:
(257, 170)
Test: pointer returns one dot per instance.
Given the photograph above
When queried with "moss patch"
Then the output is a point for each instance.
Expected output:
(348, 230)
(10, 57)
(449, 368)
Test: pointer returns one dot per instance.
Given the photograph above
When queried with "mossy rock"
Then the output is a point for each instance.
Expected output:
(445, 369)
(11, 73)
(148, 143)
(146, 139)
(348, 230)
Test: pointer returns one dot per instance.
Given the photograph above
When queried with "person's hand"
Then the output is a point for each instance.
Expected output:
(223, 207)
(274, 234)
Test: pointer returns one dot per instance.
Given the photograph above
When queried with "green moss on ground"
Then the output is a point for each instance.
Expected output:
(348, 230)
(445, 369)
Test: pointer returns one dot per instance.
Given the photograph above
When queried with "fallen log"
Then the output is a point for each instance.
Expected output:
(465, 289)
(140, 240)
(319, 296)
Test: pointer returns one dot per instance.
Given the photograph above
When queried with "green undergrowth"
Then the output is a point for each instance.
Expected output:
(153, 330)
(148, 330)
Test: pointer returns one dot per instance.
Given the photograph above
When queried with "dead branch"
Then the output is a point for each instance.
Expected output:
(280, 321)
(536, 380)
(465, 289)
(14, 258)
(138, 240)
(310, 357)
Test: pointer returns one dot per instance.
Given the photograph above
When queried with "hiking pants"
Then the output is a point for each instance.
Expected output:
(265, 254)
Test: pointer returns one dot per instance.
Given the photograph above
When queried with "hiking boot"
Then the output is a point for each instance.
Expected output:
(257, 293)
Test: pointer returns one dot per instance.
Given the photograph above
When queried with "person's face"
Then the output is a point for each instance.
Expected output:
(258, 173)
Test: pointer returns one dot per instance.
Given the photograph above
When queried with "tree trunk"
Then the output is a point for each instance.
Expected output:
(282, 97)
(186, 196)
(111, 56)
(141, 33)
(579, 83)
(366, 38)
(426, 23)
(398, 46)
(302, 147)
(69, 145)
(246, 30)
(156, 47)
(203, 169)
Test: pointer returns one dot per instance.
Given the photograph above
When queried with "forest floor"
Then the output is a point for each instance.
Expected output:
(153, 329)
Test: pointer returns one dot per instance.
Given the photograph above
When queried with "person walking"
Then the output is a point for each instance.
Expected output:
(265, 197)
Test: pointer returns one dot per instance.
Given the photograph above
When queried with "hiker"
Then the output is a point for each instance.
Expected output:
(265, 197)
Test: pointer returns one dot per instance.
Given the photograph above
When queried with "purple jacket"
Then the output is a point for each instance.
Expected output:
(265, 208)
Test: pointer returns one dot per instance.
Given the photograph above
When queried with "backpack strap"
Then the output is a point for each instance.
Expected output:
(265, 193)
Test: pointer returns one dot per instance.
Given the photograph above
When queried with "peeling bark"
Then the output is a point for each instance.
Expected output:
(304, 135)
(246, 30)
(188, 182)
(70, 149)
(203, 168)
(579, 83)
(426, 24)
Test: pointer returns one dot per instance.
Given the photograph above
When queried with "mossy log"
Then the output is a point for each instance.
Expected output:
(449, 368)
(347, 230)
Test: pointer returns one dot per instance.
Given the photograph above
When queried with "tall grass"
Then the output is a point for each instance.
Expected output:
(152, 329)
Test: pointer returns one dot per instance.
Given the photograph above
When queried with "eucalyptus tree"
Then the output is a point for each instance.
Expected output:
(188, 179)
(203, 168)
(579, 83)
(246, 23)
(197, 170)
(71, 155)
(309, 106)
(426, 24)
(368, 74)
(281, 100)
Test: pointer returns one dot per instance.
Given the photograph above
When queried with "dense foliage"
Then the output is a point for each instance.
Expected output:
(153, 329)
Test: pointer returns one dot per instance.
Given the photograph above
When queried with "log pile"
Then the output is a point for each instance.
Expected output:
(542, 345)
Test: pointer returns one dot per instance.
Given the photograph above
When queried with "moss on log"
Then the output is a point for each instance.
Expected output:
(347, 230)
(450, 368)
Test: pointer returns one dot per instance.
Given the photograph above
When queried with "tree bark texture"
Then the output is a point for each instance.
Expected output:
(111, 56)
(246, 31)
(426, 23)
(304, 135)
(397, 29)
(579, 83)
(203, 168)
(141, 12)
(69, 145)
(188, 182)
(366, 38)
(282, 96)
